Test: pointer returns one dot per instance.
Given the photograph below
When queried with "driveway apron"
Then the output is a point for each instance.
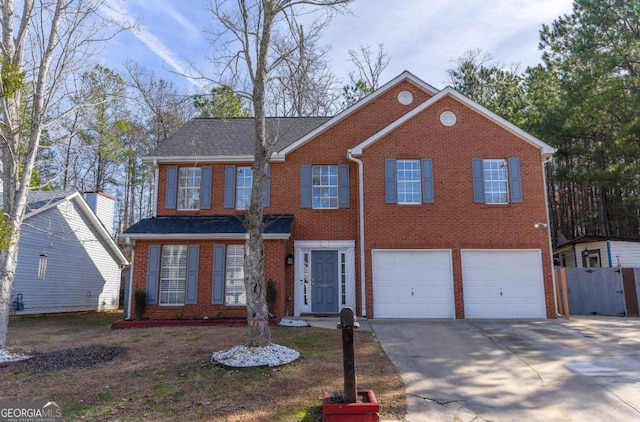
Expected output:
(583, 369)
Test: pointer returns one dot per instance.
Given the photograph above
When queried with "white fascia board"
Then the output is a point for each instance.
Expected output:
(95, 222)
(546, 150)
(202, 236)
(406, 75)
(206, 159)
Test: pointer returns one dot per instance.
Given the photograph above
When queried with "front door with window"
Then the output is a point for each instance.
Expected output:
(324, 281)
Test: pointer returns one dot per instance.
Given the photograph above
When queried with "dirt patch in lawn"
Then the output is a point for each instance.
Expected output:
(164, 373)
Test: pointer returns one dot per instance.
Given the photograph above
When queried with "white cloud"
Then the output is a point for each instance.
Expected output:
(424, 36)
(156, 45)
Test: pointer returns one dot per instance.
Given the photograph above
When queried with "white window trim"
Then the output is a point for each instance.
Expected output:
(307, 246)
(226, 266)
(238, 207)
(505, 181)
(180, 188)
(337, 186)
(185, 276)
(419, 182)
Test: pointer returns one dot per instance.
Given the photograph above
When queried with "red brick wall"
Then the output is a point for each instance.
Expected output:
(274, 269)
(454, 221)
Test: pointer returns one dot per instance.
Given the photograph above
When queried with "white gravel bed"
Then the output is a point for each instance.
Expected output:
(6, 356)
(245, 357)
(293, 323)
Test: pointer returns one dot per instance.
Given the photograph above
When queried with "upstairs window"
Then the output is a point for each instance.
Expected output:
(324, 186)
(189, 188)
(408, 180)
(237, 187)
(324, 190)
(496, 181)
(244, 178)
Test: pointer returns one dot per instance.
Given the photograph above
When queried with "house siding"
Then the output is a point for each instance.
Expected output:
(81, 274)
(627, 252)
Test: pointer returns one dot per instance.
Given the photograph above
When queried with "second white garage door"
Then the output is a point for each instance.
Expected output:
(503, 283)
(412, 284)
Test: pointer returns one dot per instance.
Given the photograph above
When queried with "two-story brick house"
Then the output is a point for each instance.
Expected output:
(413, 202)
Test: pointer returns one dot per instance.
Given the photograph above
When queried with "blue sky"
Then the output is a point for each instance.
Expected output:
(421, 36)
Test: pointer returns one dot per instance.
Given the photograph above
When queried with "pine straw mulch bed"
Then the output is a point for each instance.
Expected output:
(163, 374)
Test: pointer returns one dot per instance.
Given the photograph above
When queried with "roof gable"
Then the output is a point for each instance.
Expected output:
(41, 202)
(546, 150)
(404, 76)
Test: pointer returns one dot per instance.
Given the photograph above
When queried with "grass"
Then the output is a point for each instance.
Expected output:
(165, 374)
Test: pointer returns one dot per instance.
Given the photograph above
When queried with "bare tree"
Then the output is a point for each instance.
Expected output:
(303, 84)
(43, 42)
(249, 26)
(366, 78)
(158, 109)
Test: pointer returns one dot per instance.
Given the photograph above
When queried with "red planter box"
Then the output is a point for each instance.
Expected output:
(367, 411)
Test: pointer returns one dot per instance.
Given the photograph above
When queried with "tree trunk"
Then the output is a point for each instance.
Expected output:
(7, 275)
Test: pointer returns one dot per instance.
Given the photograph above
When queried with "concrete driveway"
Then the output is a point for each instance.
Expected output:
(583, 369)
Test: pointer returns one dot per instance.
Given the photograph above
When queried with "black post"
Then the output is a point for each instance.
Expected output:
(347, 323)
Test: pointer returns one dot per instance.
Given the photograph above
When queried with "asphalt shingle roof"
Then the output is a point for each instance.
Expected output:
(39, 199)
(216, 224)
(211, 137)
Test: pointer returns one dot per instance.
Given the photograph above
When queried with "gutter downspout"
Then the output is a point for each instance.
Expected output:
(363, 295)
(129, 293)
(155, 189)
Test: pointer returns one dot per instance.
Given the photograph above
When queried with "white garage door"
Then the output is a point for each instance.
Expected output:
(503, 284)
(412, 284)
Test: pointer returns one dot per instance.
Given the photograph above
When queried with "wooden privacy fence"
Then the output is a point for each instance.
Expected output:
(598, 291)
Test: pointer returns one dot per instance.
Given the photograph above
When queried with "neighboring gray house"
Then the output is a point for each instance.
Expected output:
(598, 251)
(68, 260)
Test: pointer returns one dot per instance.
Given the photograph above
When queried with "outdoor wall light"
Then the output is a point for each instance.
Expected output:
(289, 259)
(540, 224)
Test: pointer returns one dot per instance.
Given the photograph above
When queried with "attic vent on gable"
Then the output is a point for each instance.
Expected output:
(448, 118)
(405, 97)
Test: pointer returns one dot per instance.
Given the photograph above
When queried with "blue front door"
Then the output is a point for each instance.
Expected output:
(324, 281)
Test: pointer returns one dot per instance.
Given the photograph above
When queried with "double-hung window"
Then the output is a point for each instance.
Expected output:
(237, 187)
(324, 186)
(189, 188)
(409, 181)
(173, 274)
(496, 180)
(235, 293)
(244, 178)
(324, 189)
